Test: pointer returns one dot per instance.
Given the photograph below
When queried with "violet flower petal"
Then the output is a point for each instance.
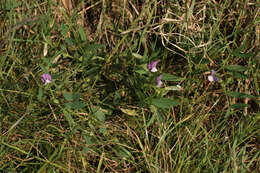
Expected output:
(152, 66)
(46, 78)
(158, 81)
(212, 77)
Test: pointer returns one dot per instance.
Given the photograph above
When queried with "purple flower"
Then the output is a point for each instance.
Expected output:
(152, 66)
(46, 78)
(158, 81)
(212, 77)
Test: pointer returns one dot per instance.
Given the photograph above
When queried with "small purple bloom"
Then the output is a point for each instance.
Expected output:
(46, 78)
(158, 81)
(152, 66)
(212, 77)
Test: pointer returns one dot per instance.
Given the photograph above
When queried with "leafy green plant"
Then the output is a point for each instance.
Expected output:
(129, 86)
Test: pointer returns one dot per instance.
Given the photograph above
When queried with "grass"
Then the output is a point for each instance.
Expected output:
(103, 112)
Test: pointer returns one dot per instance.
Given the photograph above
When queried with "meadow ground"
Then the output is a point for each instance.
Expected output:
(129, 86)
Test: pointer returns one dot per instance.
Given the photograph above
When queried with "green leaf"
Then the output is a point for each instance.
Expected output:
(68, 118)
(40, 94)
(237, 68)
(63, 30)
(238, 52)
(174, 88)
(71, 96)
(89, 140)
(155, 54)
(69, 105)
(131, 112)
(76, 96)
(138, 56)
(243, 55)
(78, 105)
(82, 33)
(170, 77)
(164, 103)
(99, 114)
(122, 152)
(85, 150)
(92, 70)
(151, 121)
(239, 75)
(190, 10)
(70, 41)
(141, 70)
(94, 47)
(75, 105)
(154, 110)
(68, 96)
(238, 106)
(103, 130)
(47, 61)
(11, 4)
(240, 95)
(43, 68)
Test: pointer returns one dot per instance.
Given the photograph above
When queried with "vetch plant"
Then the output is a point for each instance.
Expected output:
(158, 81)
(152, 66)
(46, 78)
(212, 77)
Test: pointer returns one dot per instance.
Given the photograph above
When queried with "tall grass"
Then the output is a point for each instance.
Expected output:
(102, 111)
